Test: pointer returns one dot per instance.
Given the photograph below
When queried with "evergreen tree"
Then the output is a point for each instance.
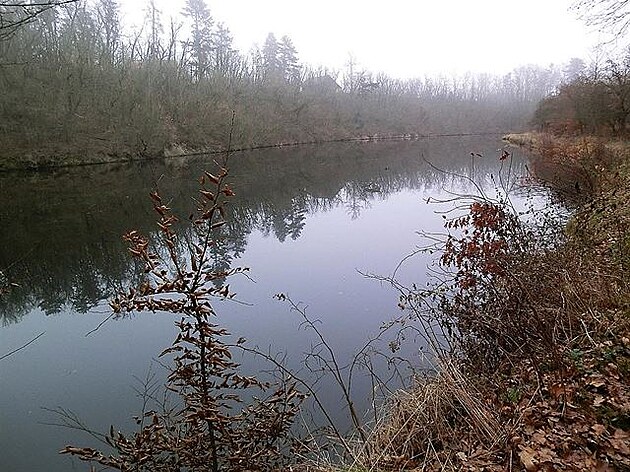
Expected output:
(573, 70)
(223, 54)
(271, 59)
(201, 36)
(288, 60)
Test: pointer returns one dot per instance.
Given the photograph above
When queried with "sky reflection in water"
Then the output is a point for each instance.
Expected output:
(306, 221)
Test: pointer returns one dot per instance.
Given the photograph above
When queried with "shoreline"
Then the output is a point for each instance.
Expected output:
(539, 378)
(178, 151)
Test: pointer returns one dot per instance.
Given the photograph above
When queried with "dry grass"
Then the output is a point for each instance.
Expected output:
(556, 394)
(579, 165)
(422, 426)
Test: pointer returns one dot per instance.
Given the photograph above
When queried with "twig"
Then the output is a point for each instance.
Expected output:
(587, 333)
(71, 420)
(100, 325)
(23, 346)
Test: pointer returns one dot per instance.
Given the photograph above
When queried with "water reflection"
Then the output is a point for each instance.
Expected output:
(304, 220)
(61, 239)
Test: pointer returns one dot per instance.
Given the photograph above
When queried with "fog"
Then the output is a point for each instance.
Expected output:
(404, 38)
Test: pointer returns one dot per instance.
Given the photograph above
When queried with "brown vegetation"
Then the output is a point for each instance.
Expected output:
(74, 88)
(576, 167)
(532, 363)
(595, 102)
(531, 324)
(536, 376)
(209, 425)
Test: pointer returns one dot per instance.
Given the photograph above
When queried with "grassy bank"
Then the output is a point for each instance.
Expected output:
(536, 376)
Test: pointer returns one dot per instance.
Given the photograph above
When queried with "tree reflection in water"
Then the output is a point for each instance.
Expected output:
(62, 245)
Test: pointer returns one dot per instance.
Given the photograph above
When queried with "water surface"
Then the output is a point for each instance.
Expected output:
(306, 221)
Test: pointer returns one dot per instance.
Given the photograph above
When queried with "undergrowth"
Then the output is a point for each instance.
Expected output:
(216, 418)
(528, 323)
(530, 332)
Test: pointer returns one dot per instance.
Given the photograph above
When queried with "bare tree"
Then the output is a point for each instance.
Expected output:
(107, 13)
(609, 15)
(15, 14)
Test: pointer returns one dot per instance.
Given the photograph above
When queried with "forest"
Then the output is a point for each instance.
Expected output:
(77, 87)
(519, 333)
(595, 102)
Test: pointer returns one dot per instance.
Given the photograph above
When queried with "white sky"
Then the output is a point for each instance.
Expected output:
(405, 38)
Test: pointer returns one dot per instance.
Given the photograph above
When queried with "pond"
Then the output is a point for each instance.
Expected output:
(309, 222)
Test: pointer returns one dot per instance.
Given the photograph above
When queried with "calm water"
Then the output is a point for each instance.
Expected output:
(305, 221)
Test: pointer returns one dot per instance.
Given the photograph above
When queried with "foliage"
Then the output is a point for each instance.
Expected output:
(201, 42)
(205, 431)
(491, 310)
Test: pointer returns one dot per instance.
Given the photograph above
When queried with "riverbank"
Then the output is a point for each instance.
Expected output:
(538, 377)
(575, 166)
(43, 160)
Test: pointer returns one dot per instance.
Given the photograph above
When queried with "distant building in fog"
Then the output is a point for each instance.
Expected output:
(323, 84)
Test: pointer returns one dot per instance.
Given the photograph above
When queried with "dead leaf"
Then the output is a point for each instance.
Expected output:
(596, 382)
(527, 458)
(599, 429)
(539, 438)
(604, 467)
(620, 441)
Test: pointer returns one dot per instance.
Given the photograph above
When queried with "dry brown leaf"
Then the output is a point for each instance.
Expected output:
(620, 441)
(598, 429)
(539, 437)
(604, 467)
(527, 458)
(596, 382)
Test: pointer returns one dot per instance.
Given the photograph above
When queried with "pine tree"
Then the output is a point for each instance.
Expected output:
(288, 60)
(223, 54)
(201, 36)
(271, 62)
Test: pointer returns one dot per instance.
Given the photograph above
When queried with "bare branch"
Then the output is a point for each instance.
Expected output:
(14, 15)
(607, 15)
(23, 346)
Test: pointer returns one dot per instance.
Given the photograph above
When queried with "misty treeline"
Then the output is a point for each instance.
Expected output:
(596, 100)
(76, 85)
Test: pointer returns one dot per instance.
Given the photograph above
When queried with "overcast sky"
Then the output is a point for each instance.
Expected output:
(406, 38)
